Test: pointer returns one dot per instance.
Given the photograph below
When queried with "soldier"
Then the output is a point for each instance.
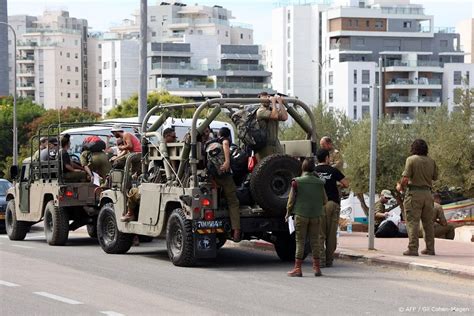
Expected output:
(97, 162)
(43, 145)
(306, 201)
(335, 157)
(50, 151)
(442, 229)
(330, 218)
(268, 118)
(420, 171)
(380, 212)
(72, 172)
(131, 144)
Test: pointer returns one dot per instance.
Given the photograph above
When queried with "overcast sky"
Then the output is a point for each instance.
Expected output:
(102, 13)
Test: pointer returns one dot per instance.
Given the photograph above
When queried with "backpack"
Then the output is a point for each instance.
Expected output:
(249, 131)
(93, 144)
(215, 157)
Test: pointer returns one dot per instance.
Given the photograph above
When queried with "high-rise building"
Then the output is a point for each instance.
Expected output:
(52, 59)
(466, 30)
(4, 91)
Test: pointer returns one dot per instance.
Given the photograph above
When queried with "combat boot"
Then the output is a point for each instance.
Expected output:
(428, 252)
(296, 272)
(316, 267)
(130, 216)
(410, 253)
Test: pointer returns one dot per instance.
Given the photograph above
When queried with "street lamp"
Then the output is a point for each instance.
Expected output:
(161, 59)
(15, 128)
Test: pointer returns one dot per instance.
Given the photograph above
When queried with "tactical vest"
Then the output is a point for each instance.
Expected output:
(309, 196)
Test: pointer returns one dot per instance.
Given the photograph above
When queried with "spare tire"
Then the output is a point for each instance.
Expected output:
(270, 182)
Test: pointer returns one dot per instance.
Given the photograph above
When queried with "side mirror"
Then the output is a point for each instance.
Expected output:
(14, 172)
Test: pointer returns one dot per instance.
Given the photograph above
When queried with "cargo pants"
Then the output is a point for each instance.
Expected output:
(305, 226)
(230, 192)
(328, 239)
(418, 205)
(445, 232)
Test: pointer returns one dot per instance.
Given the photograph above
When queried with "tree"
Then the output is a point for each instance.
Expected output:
(129, 107)
(464, 99)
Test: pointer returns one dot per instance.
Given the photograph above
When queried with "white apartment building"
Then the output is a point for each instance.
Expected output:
(94, 72)
(466, 30)
(52, 58)
(119, 71)
(456, 76)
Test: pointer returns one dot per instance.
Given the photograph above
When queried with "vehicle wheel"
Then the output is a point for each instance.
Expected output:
(56, 225)
(16, 230)
(285, 247)
(179, 239)
(111, 240)
(220, 241)
(270, 182)
(92, 230)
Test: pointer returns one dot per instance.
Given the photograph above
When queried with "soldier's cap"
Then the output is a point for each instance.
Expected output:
(387, 194)
(116, 128)
(43, 139)
(53, 140)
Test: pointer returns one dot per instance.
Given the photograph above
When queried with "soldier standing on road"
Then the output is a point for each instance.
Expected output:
(330, 218)
(306, 201)
(381, 213)
(335, 157)
(268, 117)
(442, 229)
(420, 171)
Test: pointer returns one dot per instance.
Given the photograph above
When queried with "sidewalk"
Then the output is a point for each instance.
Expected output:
(452, 257)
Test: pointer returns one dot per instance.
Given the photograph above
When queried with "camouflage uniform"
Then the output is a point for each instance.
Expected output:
(418, 203)
(379, 213)
(96, 161)
(273, 144)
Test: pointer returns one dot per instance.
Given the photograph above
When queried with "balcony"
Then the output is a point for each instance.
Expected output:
(421, 83)
(26, 86)
(194, 84)
(413, 65)
(406, 101)
(26, 73)
(180, 23)
(208, 67)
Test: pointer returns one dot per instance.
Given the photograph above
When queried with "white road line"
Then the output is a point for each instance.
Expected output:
(21, 246)
(111, 313)
(5, 283)
(58, 298)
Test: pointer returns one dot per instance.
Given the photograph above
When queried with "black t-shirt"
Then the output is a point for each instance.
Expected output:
(331, 175)
(65, 159)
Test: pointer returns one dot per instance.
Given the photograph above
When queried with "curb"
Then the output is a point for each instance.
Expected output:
(380, 260)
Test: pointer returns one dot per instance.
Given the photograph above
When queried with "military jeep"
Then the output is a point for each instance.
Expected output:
(180, 203)
(39, 193)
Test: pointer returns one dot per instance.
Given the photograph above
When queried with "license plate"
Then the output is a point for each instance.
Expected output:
(208, 224)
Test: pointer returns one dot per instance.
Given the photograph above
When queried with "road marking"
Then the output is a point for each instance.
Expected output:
(58, 298)
(21, 246)
(111, 313)
(5, 283)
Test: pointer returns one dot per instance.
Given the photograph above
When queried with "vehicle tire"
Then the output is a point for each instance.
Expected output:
(56, 225)
(111, 240)
(179, 239)
(270, 182)
(285, 247)
(92, 230)
(220, 241)
(16, 230)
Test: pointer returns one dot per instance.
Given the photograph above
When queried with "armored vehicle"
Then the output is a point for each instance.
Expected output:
(179, 201)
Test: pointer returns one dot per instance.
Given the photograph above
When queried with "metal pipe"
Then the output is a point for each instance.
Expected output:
(142, 97)
(373, 167)
(381, 88)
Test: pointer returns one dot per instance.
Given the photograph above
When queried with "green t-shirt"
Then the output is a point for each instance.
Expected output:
(421, 171)
(263, 118)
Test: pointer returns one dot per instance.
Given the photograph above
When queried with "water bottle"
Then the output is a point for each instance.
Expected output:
(349, 227)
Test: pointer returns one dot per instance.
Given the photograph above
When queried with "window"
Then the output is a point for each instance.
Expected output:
(378, 24)
(106, 65)
(355, 76)
(68, 55)
(76, 55)
(376, 78)
(68, 82)
(365, 110)
(367, 23)
(115, 83)
(106, 101)
(106, 83)
(331, 78)
(365, 95)
(77, 95)
(61, 80)
(289, 82)
(116, 101)
(355, 112)
(241, 35)
(61, 94)
(365, 76)
(443, 43)
(467, 77)
(100, 71)
(355, 95)
(68, 95)
(360, 42)
(226, 33)
(99, 45)
(76, 69)
(153, 34)
(289, 49)
(331, 95)
(68, 68)
(288, 35)
(457, 78)
(115, 64)
(152, 18)
(100, 84)
(77, 82)
(407, 24)
(289, 17)
(60, 53)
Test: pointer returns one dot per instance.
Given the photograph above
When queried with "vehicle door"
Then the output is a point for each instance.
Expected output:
(25, 185)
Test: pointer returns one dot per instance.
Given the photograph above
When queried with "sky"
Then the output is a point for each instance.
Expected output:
(101, 14)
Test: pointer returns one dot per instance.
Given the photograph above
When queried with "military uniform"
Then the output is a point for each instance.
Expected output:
(273, 145)
(335, 159)
(379, 213)
(307, 198)
(96, 161)
(227, 184)
(418, 203)
(442, 229)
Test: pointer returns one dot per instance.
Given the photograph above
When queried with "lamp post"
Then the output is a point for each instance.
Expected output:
(142, 95)
(15, 128)
(161, 58)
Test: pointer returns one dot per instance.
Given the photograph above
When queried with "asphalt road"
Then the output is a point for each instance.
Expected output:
(80, 279)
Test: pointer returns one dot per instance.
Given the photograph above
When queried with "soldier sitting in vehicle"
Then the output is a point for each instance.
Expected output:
(131, 144)
(50, 152)
(43, 145)
(97, 162)
(72, 172)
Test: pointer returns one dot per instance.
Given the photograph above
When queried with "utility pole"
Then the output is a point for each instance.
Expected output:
(15, 127)
(142, 96)
(381, 87)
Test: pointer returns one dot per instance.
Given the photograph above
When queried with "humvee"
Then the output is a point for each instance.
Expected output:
(184, 207)
(39, 193)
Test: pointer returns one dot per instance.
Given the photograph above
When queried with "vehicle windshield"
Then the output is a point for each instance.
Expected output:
(4, 186)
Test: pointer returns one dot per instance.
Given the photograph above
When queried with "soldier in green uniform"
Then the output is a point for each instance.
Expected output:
(381, 213)
(442, 229)
(420, 171)
(43, 145)
(268, 118)
(335, 157)
(97, 162)
(306, 202)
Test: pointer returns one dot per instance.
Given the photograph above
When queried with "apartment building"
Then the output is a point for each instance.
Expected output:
(466, 31)
(51, 59)
(94, 72)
